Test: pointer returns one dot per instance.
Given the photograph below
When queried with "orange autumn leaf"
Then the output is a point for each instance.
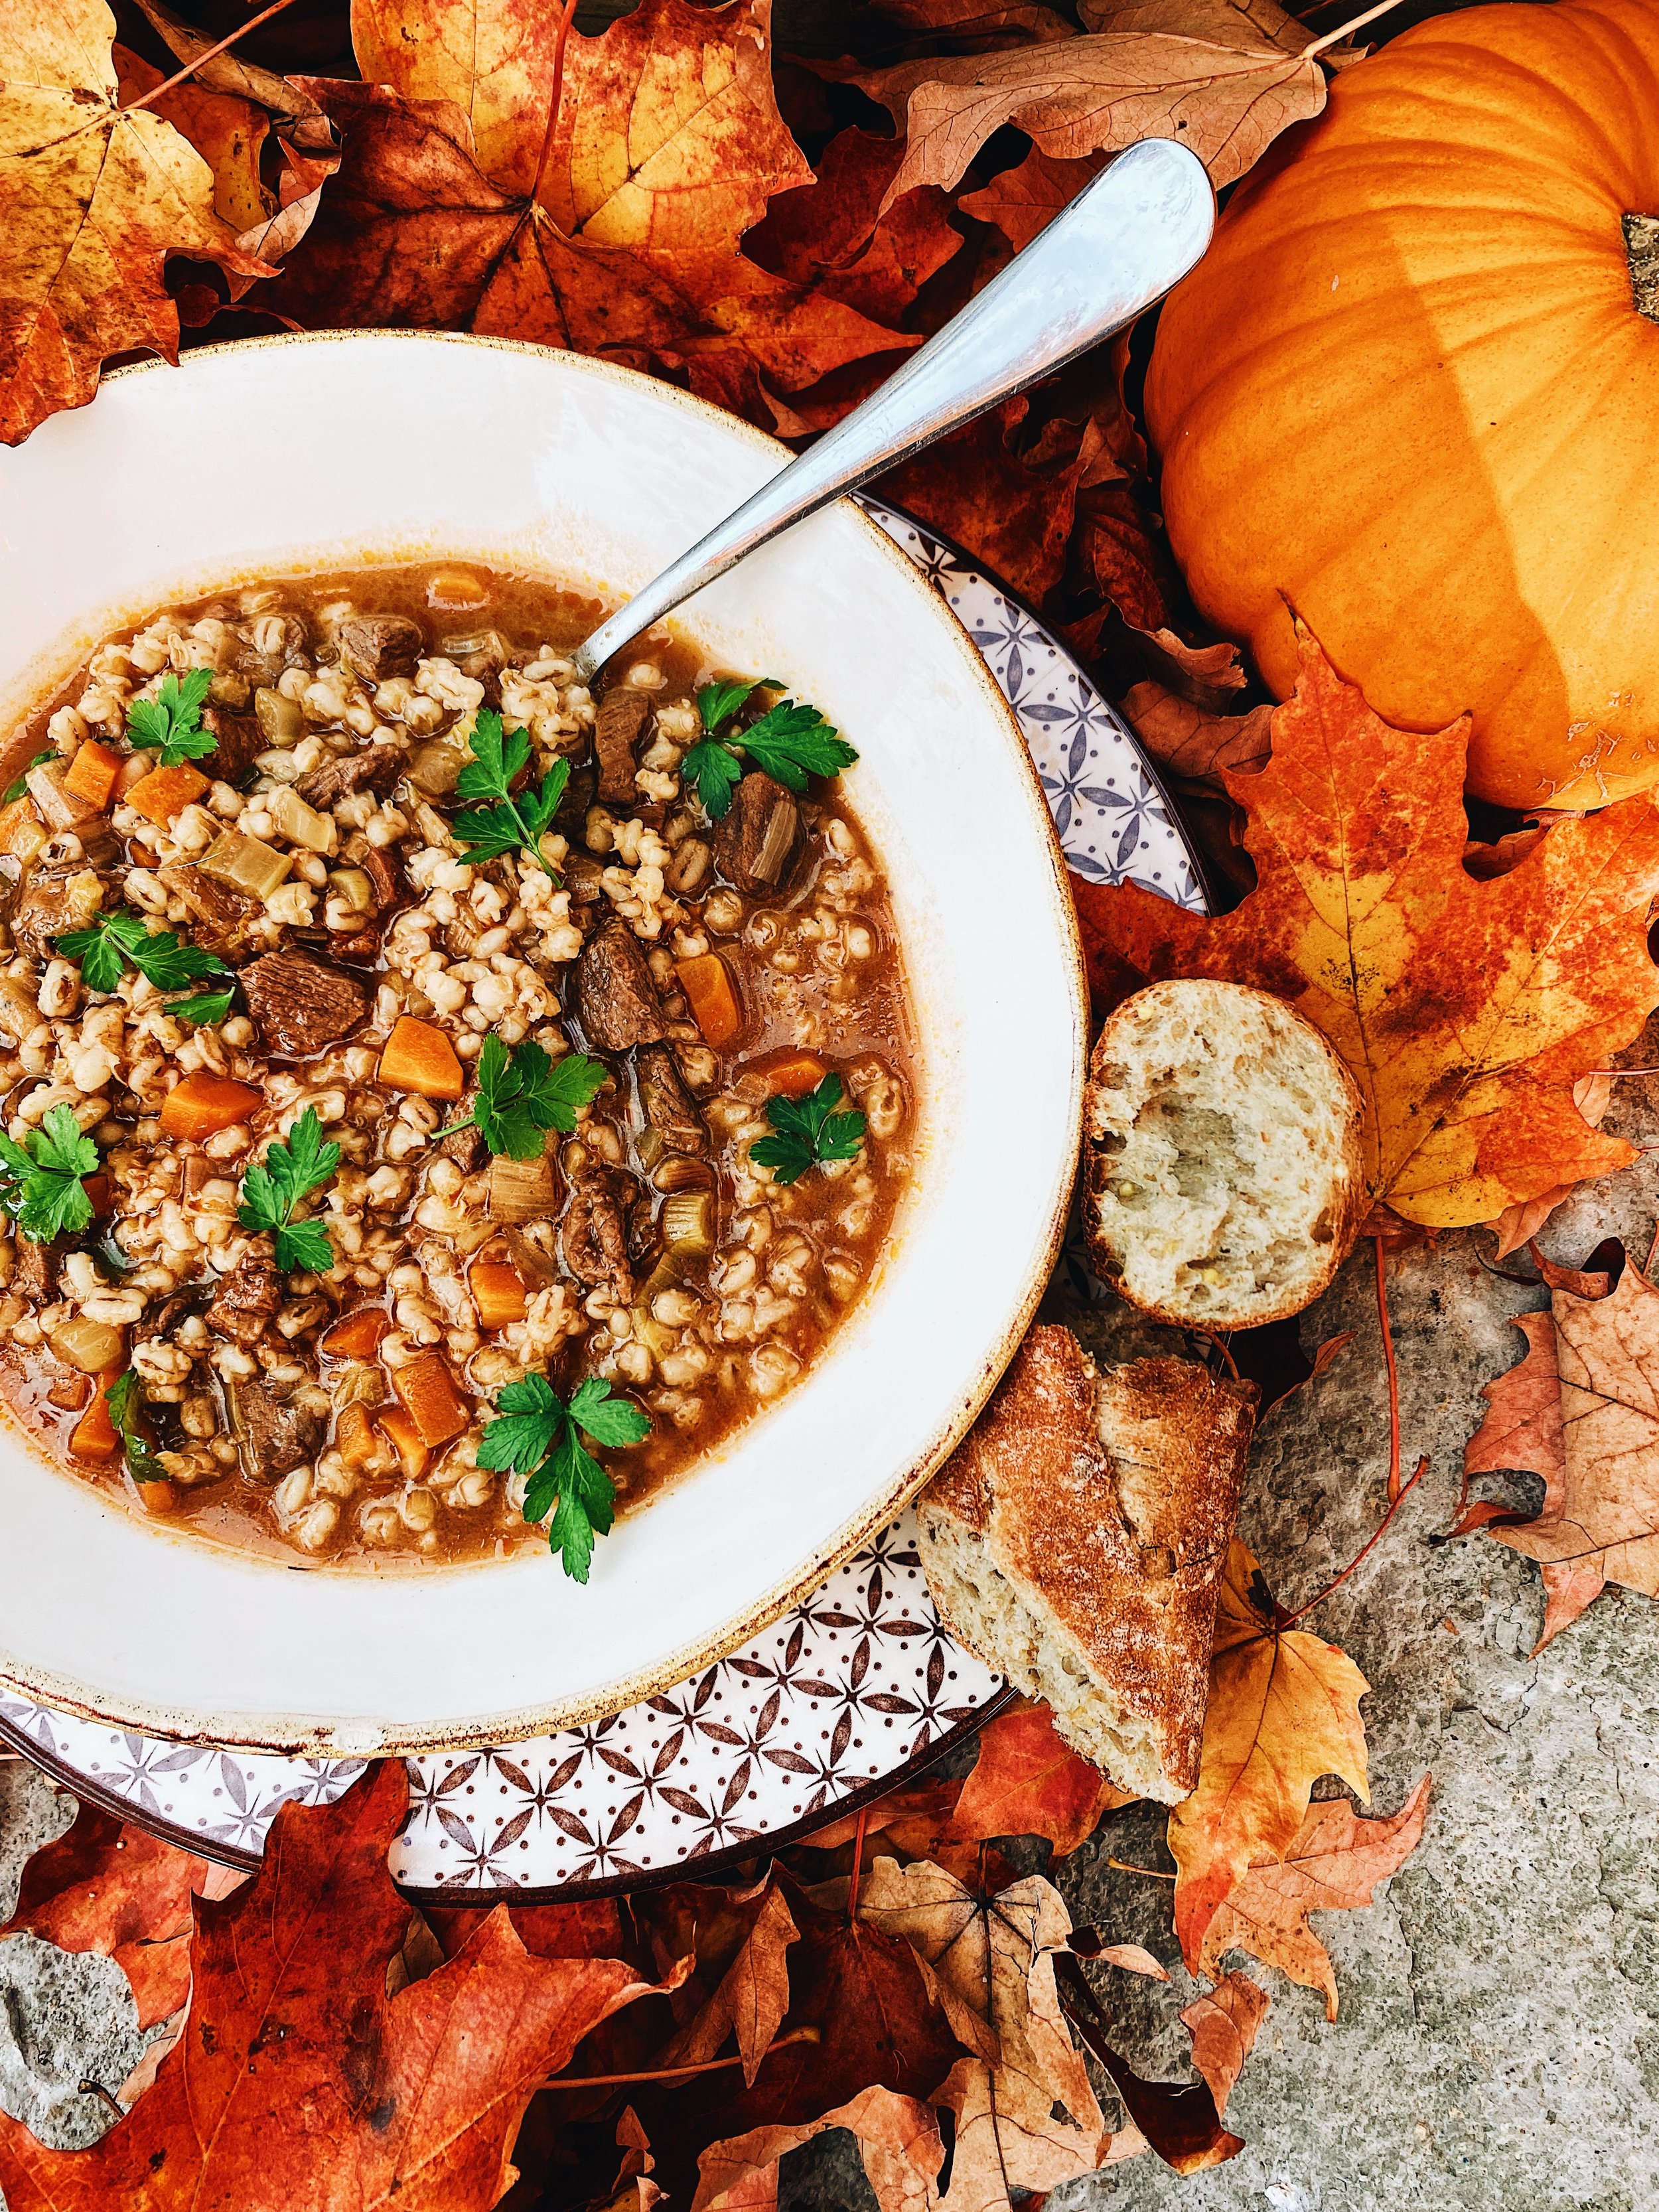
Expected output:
(1029, 1781)
(226, 131)
(1581, 1409)
(1283, 1710)
(297, 2081)
(1465, 1011)
(1025, 199)
(95, 200)
(898, 2136)
(1333, 1866)
(1223, 2025)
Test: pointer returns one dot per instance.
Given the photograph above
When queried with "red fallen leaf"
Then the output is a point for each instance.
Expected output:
(105, 1887)
(1028, 1781)
(898, 2138)
(751, 1998)
(296, 2081)
(95, 200)
(1180, 2121)
(1016, 517)
(589, 1928)
(1223, 2024)
(1466, 1011)
(1333, 1866)
(1522, 1427)
(1025, 199)
(830, 232)
(905, 1824)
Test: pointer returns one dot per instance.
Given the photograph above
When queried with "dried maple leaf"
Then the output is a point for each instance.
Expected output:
(751, 1997)
(296, 2081)
(1283, 1710)
(1024, 200)
(832, 233)
(1581, 1409)
(1223, 2025)
(95, 200)
(1191, 741)
(105, 1887)
(1014, 513)
(1026, 2115)
(613, 230)
(1332, 1866)
(227, 132)
(897, 2137)
(1226, 92)
(1465, 1011)
(1028, 1781)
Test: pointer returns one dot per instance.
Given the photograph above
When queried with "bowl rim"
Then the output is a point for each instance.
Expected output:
(301, 1736)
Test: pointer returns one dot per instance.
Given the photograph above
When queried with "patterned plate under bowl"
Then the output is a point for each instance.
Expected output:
(831, 1704)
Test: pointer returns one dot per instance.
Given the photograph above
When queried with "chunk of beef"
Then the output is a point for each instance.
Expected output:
(615, 995)
(237, 742)
(34, 1271)
(377, 768)
(465, 1146)
(275, 1436)
(579, 794)
(594, 1233)
(667, 1105)
(299, 1005)
(622, 715)
(248, 1298)
(382, 871)
(288, 646)
(222, 914)
(375, 647)
(758, 837)
(39, 914)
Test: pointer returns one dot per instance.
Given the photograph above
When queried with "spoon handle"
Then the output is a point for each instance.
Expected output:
(1119, 246)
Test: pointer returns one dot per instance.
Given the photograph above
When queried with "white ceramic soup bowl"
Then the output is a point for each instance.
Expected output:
(311, 454)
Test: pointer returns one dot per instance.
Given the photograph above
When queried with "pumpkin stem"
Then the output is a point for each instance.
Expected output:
(1642, 251)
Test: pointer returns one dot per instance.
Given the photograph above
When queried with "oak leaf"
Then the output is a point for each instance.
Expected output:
(1466, 1011)
(1026, 2115)
(1028, 1781)
(1283, 1710)
(1581, 1409)
(897, 2137)
(1333, 1866)
(296, 2081)
(1223, 2024)
(95, 201)
(1227, 97)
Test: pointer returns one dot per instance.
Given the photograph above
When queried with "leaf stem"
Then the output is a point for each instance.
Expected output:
(1393, 1372)
(555, 95)
(858, 1867)
(132, 107)
(1152, 1874)
(1355, 23)
(678, 2073)
(1290, 1619)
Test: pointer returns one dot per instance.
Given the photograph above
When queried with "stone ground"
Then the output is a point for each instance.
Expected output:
(1499, 2044)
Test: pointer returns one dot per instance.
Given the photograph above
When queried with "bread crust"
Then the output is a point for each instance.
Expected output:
(1349, 1204)
(1108, 1503)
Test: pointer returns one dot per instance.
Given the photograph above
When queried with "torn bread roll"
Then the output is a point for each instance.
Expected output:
(1075, 1541)
(1224, 1179)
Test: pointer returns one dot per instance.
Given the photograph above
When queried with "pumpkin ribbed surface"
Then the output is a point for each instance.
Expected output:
(1410, 391)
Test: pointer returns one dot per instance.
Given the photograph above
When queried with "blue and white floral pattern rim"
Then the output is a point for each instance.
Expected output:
(835, 1702)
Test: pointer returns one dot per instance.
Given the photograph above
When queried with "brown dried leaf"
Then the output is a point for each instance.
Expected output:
(1332, 1866)
(95, 201)
(1223, 2025)
(897, 2137)
(751, 1998)
(1013, 514)
(228, 72)
(227, 132)
(1025, 199)
(1193, 742)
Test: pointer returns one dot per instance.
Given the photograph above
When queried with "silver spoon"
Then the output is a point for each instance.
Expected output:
(1119, 246)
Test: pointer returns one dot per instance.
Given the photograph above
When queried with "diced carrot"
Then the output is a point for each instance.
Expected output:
(92, 774)
(203, 1104)
(400, 1431)
(427, 1391)
(22, 833)
(166, 792)
(95, 1436)
(789, 1073)
(354, 1435)
(498, 1293)
(455, 587)
(419, 1057)
(357, 1335)
(157, 1497)
(714, 1006)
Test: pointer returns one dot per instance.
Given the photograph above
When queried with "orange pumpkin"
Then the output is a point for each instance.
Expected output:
(1413, 392)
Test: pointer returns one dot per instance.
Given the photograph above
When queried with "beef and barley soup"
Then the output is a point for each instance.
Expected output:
(441, 1101)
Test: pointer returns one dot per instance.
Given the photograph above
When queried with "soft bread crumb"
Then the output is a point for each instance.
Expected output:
(1225, 1181)
(1076, 1539)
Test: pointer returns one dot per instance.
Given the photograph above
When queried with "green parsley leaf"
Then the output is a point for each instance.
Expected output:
(718, 702)
(41, 1185)
(808, 1130)
(512, 824)
(116, 942)
(792, 741)
(523, 1094)
(205, 1006)
(273, 1187)
(536, 1434)
(125, 1400)
(713, 772)
(172, 719)
(16, 790)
